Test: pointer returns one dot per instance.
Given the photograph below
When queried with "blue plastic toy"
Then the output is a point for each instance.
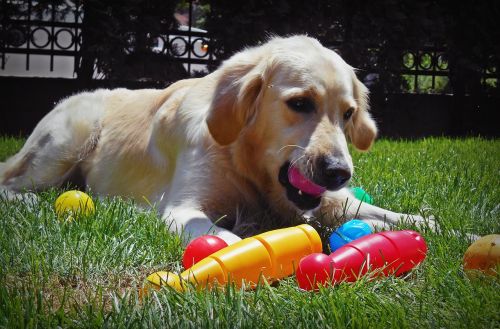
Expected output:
(349, 231)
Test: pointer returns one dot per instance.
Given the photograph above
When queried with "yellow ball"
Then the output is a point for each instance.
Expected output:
(483, 255)
(74, 203)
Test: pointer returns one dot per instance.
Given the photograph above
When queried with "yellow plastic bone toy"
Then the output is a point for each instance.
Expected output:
(273, 255)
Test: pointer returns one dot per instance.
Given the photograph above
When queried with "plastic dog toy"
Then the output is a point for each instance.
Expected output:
(74, 203)
(272, 255)
(483, 255)
(201, 248)
(385, 253)
(362, 195)
(348, 232)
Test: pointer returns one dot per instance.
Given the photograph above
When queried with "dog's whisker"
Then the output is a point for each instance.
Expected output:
(291, 145)
(297, 160)
(309, 164)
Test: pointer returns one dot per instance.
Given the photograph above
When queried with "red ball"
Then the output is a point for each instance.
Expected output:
(314, 270)
(200, 248)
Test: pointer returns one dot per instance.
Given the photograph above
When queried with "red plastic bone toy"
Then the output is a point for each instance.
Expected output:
(385, 253)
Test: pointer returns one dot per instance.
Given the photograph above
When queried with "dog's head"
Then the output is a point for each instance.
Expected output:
(286, 109)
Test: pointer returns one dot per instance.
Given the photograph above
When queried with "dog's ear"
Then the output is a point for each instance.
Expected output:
(362, 130)
(235, 99)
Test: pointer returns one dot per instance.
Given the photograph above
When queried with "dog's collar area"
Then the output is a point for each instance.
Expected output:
(299, 198)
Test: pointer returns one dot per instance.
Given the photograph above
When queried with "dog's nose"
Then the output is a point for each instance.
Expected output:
(332, 172)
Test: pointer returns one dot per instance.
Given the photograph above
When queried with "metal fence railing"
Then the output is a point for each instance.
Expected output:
(48, 42)
(28, 34)
(425, 70)
(31, 33)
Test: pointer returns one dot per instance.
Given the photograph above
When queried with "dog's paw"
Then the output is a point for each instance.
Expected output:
(426, 222)
(30, 199)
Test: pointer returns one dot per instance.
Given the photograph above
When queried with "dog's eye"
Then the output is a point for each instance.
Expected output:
(301, 104)
(348, 113)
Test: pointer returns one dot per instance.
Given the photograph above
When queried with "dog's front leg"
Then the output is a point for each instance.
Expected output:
(191, 223)
(378, 218)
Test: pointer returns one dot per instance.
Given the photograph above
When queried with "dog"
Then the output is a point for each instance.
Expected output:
(267, 132)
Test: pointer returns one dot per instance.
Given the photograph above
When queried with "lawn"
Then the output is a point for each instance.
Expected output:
(86, 273)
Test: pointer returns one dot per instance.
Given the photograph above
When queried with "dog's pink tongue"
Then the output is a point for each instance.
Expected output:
(305, 185)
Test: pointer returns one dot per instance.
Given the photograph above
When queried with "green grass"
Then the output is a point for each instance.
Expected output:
(86, 273)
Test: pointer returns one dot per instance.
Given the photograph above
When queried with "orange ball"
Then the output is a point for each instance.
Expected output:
(483, 255)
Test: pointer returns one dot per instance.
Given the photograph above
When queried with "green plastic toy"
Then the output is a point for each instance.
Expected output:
(362, 195)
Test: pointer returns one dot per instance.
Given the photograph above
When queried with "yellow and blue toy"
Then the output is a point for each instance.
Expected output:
(272, 255)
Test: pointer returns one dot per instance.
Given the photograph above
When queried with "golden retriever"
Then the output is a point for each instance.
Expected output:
(266, 132)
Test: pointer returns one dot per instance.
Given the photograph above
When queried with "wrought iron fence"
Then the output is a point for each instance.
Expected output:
(425, 70)
(56, 32)
(188, 45)
(30, 32)
(428, 70)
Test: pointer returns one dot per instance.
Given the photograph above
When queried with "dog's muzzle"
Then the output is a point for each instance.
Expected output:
(305, 193)
(331, 173)
(299, 198)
